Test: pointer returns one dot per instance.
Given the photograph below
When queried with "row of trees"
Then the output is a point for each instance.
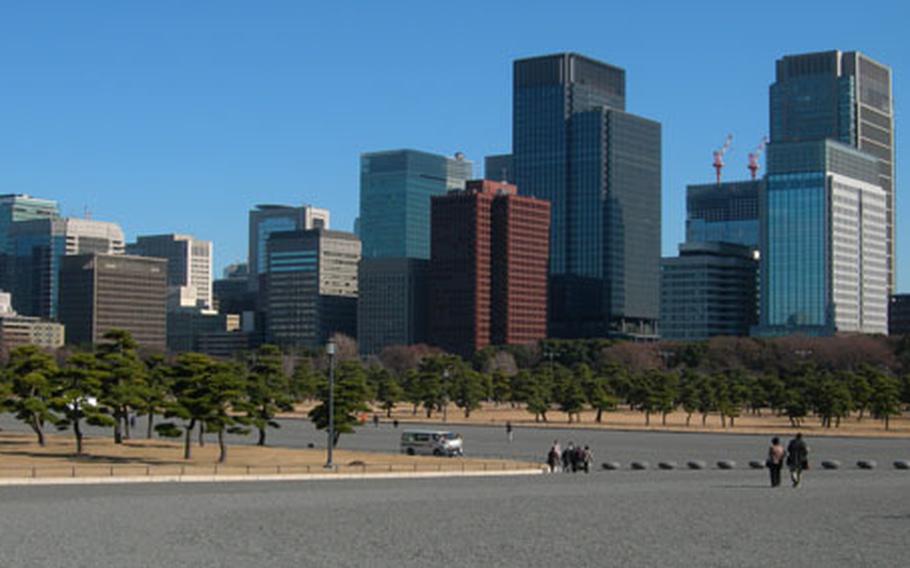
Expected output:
(108, 385)
(195, 393)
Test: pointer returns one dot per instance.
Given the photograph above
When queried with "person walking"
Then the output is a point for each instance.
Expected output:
(797, 458)
(509, 433)
(554, 457)
(567, 457)
(587, 459)
(775, 461)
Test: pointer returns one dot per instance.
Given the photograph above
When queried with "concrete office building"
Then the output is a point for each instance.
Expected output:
(824, 245)
(35, 251)
(395, 191)
(311, 286)
(189, 267)
(267, 219)
(724, 213)
(842, 96)
(391, 308)
(16, 330)
(708, 290)
(101, 292)
(574, 145)
(488, 268)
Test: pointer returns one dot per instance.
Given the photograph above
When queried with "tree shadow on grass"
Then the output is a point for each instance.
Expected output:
(88, 459)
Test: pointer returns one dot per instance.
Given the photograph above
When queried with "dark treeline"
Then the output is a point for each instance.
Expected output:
(827, 379)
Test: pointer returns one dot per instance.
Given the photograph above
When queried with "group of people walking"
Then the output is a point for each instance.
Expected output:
(572, 459)
(795, 456)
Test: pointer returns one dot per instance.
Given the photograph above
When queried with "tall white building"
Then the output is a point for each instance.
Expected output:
(824, 241)
(189, 267)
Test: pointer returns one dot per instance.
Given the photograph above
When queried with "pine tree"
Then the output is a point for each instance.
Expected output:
(30, 373)
(268, 390)
(76, 389)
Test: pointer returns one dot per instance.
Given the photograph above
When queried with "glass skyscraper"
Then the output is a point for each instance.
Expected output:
(599, 166)
(842, 96)
(395, 191)
(21, 207)
(824, 245)
(268, 219)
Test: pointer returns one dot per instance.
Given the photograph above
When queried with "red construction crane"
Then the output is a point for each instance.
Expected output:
(754, 156)
(719, 156)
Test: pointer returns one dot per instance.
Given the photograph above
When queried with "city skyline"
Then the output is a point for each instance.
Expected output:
(140, 127)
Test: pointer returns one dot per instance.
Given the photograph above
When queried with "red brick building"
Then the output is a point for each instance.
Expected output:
(488, 268)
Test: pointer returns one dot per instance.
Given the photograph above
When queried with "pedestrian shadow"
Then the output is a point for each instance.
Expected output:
(899, 517)
(743, 486)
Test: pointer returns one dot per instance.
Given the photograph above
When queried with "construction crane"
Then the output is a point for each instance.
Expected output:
(719, 156)
(754, 156)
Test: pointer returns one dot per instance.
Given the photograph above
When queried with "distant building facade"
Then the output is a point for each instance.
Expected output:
(824, 246)
(185, 326)
(35, 250)
(17, 207)
(189, 267)
(488, 268)
(101, 292)
(392, 304)
(395, 191)
(499, 168)
(708, 290)
(842, 96)
(16, 330)
(899, 314)
(311, 286)
(724, 213)
(268, 219)
(394, 224)
(574, 145)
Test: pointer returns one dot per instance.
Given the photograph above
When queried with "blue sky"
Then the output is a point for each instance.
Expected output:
(172, 116)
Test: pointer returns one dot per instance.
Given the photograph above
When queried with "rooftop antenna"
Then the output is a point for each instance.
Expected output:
(86, 213)
(754, 156)
(719, 156)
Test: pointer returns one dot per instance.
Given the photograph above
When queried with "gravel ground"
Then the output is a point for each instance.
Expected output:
(675, 518)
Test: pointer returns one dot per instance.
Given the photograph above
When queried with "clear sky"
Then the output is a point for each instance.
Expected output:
(173, 116)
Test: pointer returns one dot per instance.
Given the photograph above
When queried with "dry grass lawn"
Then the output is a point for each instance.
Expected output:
(625, 419)
(21, 456)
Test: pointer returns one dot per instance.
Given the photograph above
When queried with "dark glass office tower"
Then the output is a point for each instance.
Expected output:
(842, 96)
(599, 166)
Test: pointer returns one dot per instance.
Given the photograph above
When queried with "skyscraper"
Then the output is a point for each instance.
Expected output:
(268, 219)
(842, 96)
(35, 249)
(101, 292)
(189, 267)
(574, 145)
(488, 271)
(22, 207)
(395, 191)
(311, 286)
(823, 266)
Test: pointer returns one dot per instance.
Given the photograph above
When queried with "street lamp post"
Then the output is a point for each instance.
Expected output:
(445, 395)
(330, 351)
